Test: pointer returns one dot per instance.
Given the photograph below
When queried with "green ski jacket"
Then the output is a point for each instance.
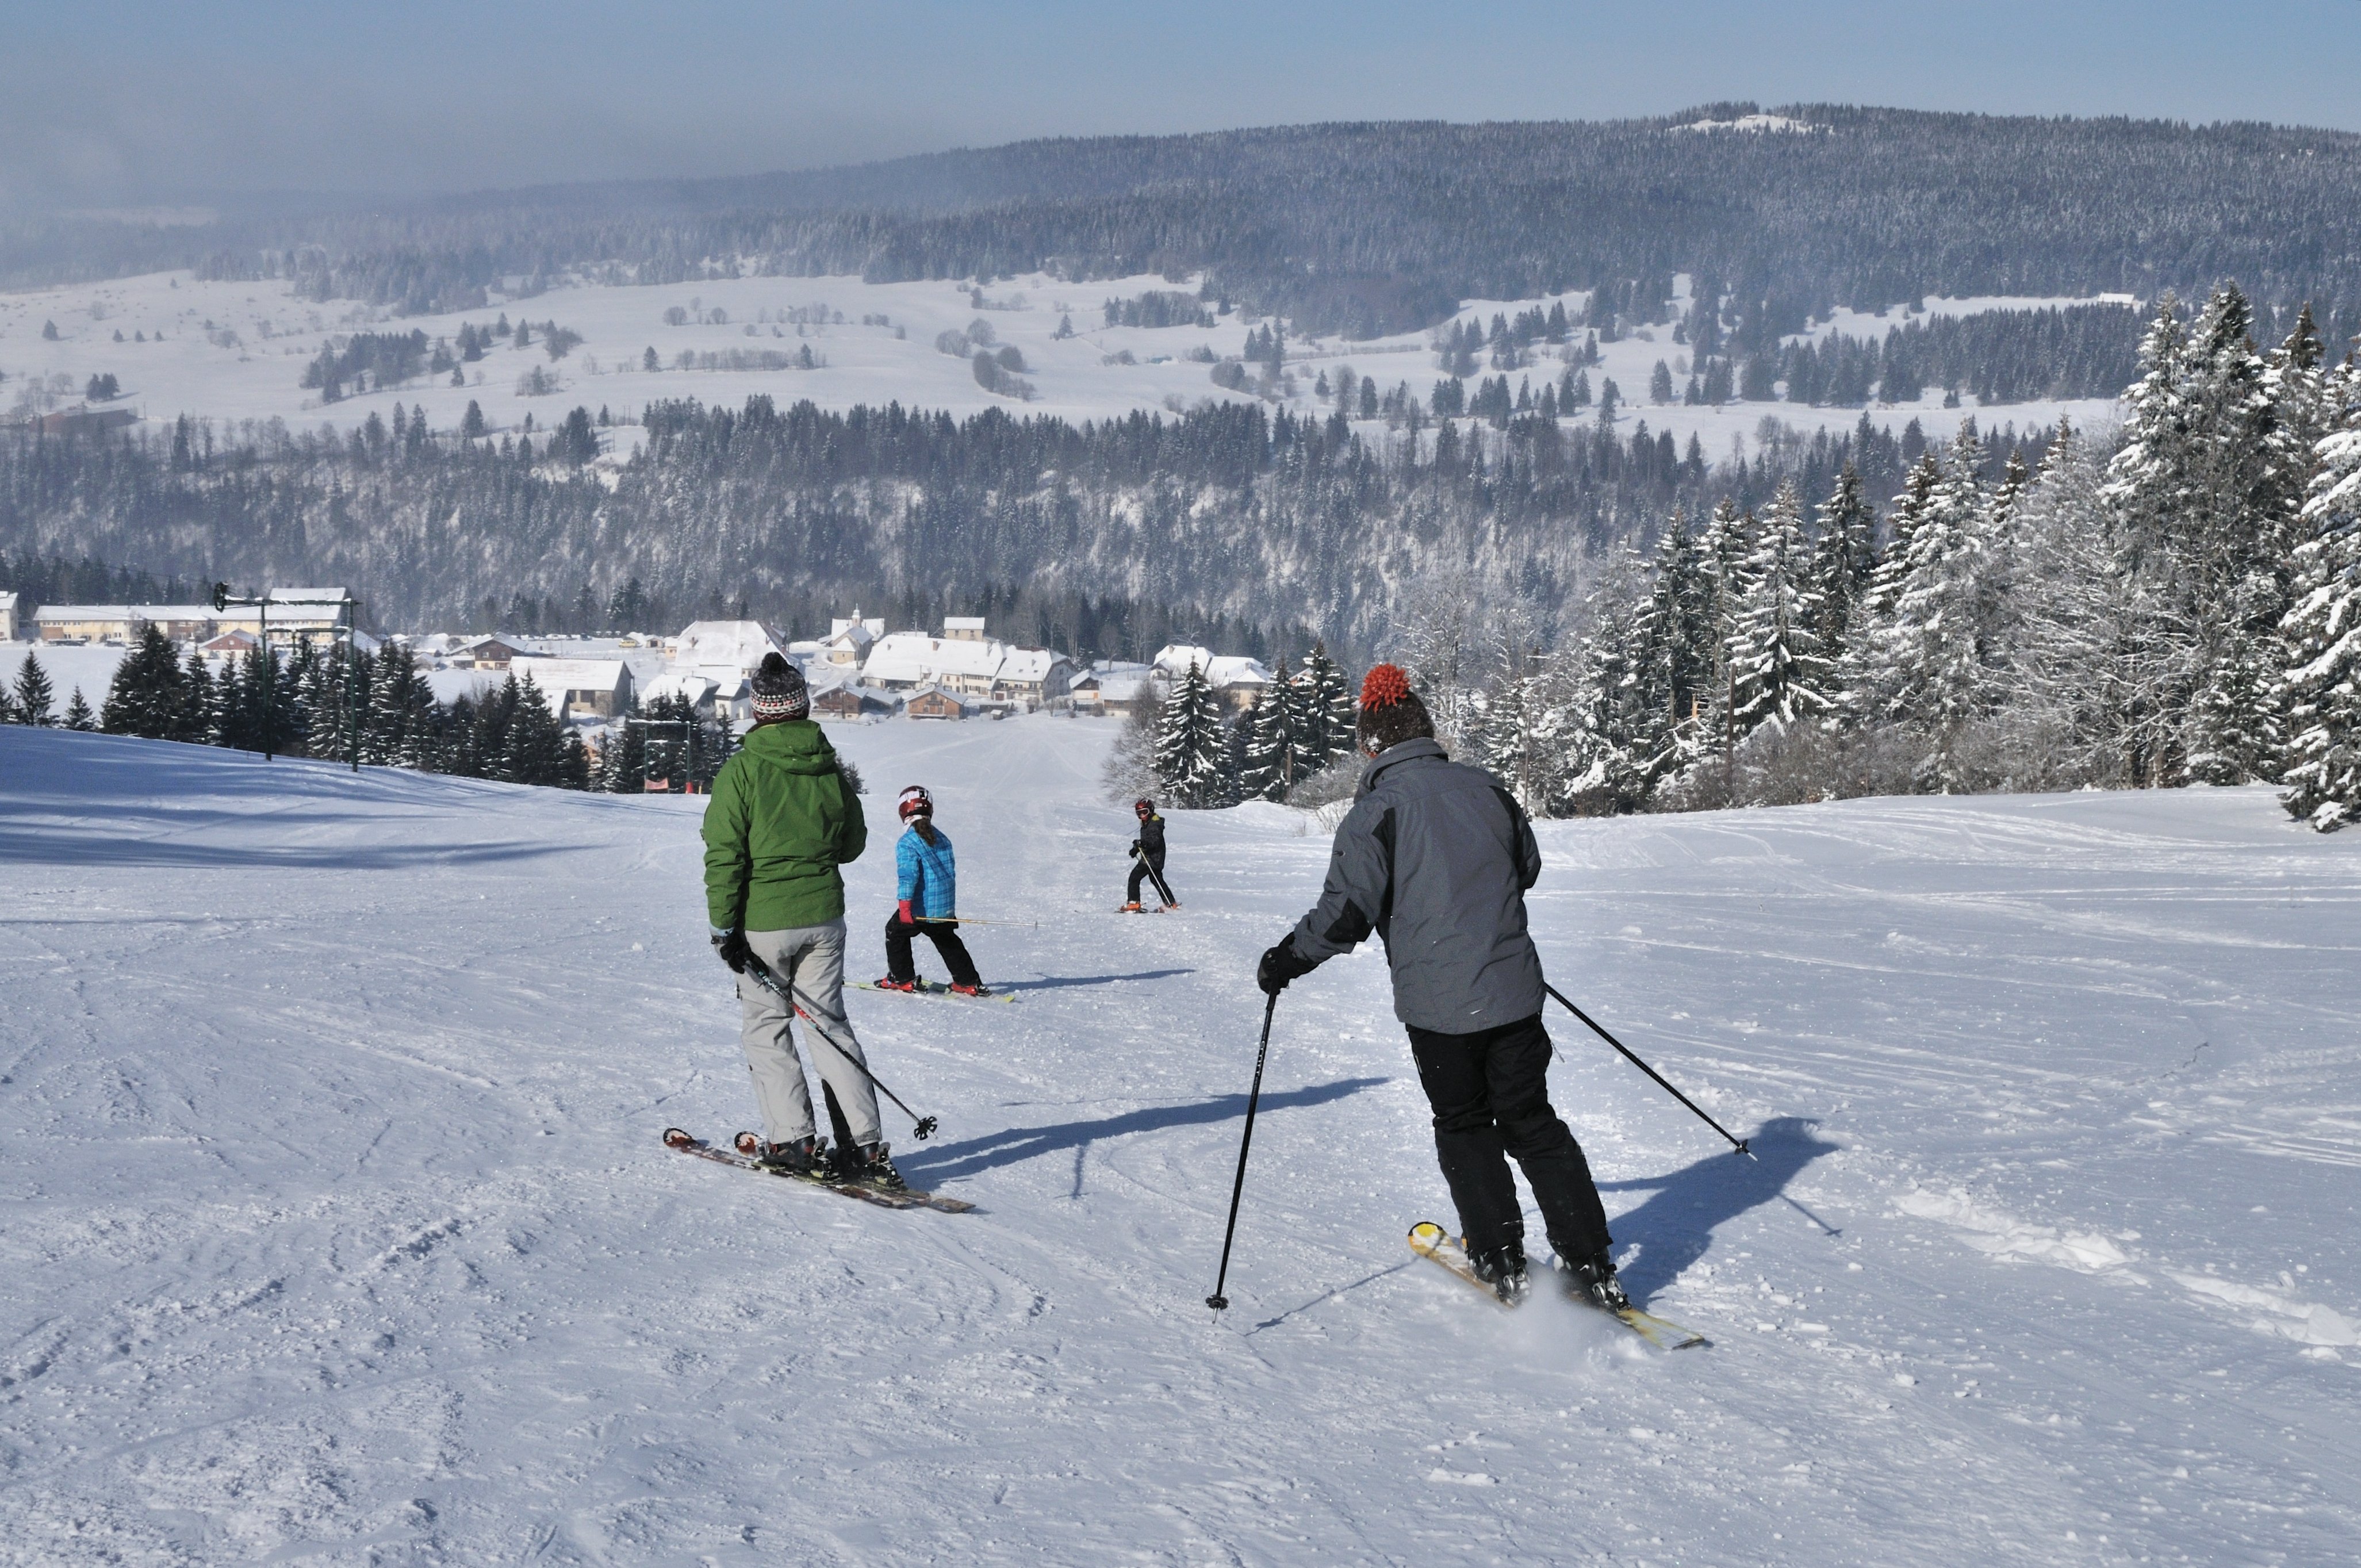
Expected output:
(781, 819)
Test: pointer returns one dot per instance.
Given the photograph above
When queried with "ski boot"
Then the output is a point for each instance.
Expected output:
(1503, 1269)
(1132, 907)
(1593, 1284)
(806, 1157)
(890, 983)
(871, 1166)
(978, 989)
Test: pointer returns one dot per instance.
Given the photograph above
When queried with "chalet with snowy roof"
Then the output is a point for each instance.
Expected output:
(963, 660)
(933, 702)
(1238, 681)
(741, 645)
(1111, 687)
(906, 661)
(1034, 676)
(485, 653)
(852, 702)
(850, 638)
(235, 641)
(579, 688)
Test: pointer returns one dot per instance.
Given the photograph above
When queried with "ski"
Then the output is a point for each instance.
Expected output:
(934, 988)
(1431, 1241)
(676, 1138)
(1143, 909)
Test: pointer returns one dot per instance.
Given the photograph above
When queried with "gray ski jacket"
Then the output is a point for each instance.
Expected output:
(1436, 858)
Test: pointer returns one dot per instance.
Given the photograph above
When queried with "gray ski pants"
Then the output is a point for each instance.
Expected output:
(810, 958)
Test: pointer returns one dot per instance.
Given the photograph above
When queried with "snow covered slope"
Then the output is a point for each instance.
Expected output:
(337, 1230)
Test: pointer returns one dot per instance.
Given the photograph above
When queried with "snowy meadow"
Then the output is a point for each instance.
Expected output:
(337, 1228)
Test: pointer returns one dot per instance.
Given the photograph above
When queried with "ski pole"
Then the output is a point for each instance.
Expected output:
(1739, 1145)
(1155, 876)
(923, 1127)
(1218, 1301)
(963, 920)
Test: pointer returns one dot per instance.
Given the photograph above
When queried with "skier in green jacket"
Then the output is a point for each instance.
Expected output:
(781, 819)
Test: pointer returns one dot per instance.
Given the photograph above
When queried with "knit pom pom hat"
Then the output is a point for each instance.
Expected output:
(1384, 686)
(780, 691)
(1390, 712)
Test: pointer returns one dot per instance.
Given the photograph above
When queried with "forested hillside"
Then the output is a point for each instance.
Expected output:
(1224, 514)
(1385, 226)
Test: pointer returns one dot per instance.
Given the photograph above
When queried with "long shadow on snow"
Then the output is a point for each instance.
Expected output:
(930, 1168)
(1051, 981)
(1675, 1228)
(49, 847)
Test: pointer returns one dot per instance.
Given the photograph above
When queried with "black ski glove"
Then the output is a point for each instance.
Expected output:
(1134, 846)
(1281, 964)
(732, 946)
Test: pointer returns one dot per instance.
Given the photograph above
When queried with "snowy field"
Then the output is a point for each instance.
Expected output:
(248, 363)
(337, 1229)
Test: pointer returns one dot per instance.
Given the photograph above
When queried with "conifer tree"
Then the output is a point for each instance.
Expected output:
(1325, 720)
(1780, 673)
(144, 697)
(2321, 689)
(1922, 666)
(1268, 765)
(1842, 558)
(2205, 492)
(34, 694)
(1189, 745)
(197, 719)
(78, 714)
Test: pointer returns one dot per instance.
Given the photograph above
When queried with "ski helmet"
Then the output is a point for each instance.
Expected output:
(1143, 807)
(917, 802)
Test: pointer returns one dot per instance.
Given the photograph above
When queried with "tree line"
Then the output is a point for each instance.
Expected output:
(1277, 529)
(2178, 602)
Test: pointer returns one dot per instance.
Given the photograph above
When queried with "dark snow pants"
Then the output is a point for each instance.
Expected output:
(1139, 872)
(1491, 1094)
(945, 936)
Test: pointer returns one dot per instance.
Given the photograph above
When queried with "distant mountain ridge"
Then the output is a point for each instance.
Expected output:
(1375, 226)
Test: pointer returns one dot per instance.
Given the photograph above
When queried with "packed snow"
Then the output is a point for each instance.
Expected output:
(338, 1228)
(237, 350)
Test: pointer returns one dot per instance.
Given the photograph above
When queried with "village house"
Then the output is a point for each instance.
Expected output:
(933, 702)
(1034, 676)
(119, 623)
(1109, 688)
(484, 653)
(305, 613)
(965, 661)
(851, 702)
(1238, 681)
(7, 618)
(579, 688)
(850, 640)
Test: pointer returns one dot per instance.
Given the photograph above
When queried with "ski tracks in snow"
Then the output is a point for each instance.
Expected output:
(338, 1228)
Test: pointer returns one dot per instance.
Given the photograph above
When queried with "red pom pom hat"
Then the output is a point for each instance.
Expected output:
(1384, 686)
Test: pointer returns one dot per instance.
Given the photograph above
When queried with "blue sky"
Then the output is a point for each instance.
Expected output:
(137, 102)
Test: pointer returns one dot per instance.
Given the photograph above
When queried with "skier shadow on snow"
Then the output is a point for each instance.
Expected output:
(932, 1167)
(1675, 1228)
(1051, 981)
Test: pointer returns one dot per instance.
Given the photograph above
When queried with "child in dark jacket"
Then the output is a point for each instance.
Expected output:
(926, 888)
